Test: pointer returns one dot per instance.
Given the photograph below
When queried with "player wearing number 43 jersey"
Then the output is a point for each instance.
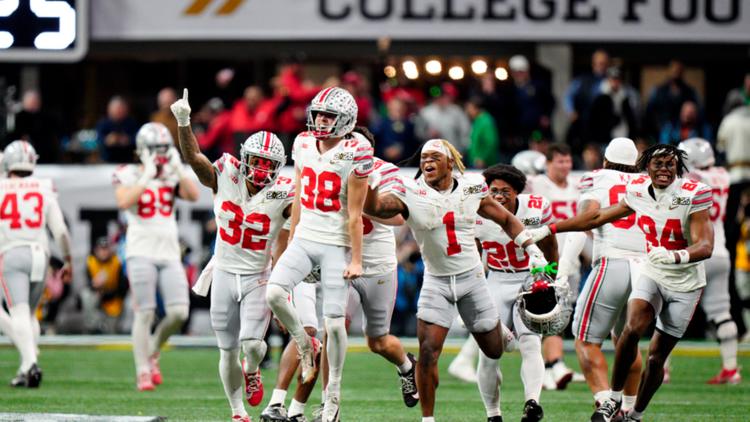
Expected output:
(146, 193)
(251, 204)
(673, 214)
(28, 205)
(441, 209)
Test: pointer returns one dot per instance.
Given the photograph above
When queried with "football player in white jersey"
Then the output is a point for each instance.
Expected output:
(6, 325)
(509, 268)
(619, 251)
(331, 169)
(28, 206)
(251, 204)
(673, 214)
(146, 193)
(715, 301)
(441, 208)
(561, 188)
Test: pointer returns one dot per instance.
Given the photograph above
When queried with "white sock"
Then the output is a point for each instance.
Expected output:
(406, 366)
(628, 402)
(255, 351)
(727, 334)
(532, 366)
(175, 316)
(20, 315)
(601, 396)
(278, 301)
(277, 397)
(616, 396)
(489, 380)
(428, 419)
(230, 373)
(323, 395)
(142, 321)
(469, 351)
(6, 325)
(336, 348)
(296, 408)
(37, 331)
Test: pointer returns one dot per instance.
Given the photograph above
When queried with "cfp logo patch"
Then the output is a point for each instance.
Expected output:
(533, 221)
(275, 194)
(344, 156)
(680, 200)
(469, 190)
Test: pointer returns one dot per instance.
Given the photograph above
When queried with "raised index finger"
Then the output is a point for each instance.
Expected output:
(185, 94)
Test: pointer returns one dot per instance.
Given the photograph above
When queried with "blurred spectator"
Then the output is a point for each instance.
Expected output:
(666, 100)
(738, 97)
(410, 273)
(40, 129)
(357, 86)
(733, 139)
(592, 157)
(394, 132)
(225, 88)
(83, 147)
(250, 114)
(291, 97)
(742, 263)
(163, 114)
(614, 111)
(485, 142)
(444, 119)
(116, 132)
(580, 96)
(212, 126)
(102, 300)
(530, 104)
(690, 125)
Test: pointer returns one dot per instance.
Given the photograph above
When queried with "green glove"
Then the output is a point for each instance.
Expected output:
(549, 269)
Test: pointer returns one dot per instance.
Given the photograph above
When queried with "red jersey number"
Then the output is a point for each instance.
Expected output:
(671, 236)
(151, 202)
(9, 210)
(505, 256)
(236, 233)
(615, 194)
(328, 187)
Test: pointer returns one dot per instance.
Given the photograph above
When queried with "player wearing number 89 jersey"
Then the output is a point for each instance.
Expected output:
(146, 193)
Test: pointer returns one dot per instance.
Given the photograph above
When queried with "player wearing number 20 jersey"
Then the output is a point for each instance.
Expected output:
(146, 193)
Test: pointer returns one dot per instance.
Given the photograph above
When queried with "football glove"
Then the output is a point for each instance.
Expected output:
(181, 110)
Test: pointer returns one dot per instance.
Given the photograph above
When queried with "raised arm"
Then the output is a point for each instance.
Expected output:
(593, 217)
(189, 144)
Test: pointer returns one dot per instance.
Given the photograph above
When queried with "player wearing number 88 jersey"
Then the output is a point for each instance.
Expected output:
(146, 193)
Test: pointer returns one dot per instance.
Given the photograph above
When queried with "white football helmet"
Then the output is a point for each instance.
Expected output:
(156, 138)
(19, 156)
(529, 162)
(267, 146)
(338, 102)
(699, 153)
(543, 304)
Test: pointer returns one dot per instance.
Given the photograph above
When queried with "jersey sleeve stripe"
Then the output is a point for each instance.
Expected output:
(546, 218)
(389, 171)
(363, 157)
(698, 201)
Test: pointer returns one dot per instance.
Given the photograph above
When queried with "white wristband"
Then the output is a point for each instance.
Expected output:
(683, 256)
(533, 249)
(522, 238)
(183, 121)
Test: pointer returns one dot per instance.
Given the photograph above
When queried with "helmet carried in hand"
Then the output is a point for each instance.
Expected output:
(543, 305)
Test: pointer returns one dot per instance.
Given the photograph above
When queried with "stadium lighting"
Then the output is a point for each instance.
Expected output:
(390, 71)
(433, 67)
(479, 67)
(456, 73)
(410, 69)
(501, 73)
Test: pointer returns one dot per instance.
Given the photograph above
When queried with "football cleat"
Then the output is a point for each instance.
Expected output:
(726, 376)
(274, 413)
(409, 384)
(548, 382)
(144, 382)
(34, 376)
(562, 375)
(153, 361)
(253, 386)
(308, 360)
(578, 377)
(19, 380)
(532, 411)
(497, 418)
(297, 418)
(606, 411)
(239, 418)
(629, 418)
(331, 408)
(463, 369)
(318, 413)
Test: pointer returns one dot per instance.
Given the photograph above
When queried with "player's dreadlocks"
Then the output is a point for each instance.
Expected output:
(413, 161)
(362, 130)
(507, 173)
(659, 150)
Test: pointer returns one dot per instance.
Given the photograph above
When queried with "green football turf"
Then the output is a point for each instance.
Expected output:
(91, 381)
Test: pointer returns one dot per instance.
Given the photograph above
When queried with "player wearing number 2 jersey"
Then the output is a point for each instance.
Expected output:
(331, 169)
(28, 206)
(509, 268)
(715, 300)
(441, 209)
(146, 193)
(251, 205)
(673, 214)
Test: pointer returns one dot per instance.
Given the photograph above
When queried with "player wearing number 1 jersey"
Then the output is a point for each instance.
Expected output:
(28, 206)
(715, 300)
(331, 169)
(673, 214)
(146, 193)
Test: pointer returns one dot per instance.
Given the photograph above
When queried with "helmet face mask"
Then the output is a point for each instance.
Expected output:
(543, 305)
(261, 159)
(337, 103)
(156, 139)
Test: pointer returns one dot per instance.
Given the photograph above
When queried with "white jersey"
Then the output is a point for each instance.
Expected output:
(152, 228)
(564, 201)
(665, 222)
(323, 185)
(501, 251)
(618, 239)
(718, 179)
(27, 206)
(444, 223)
(247, 225)
(379, 241)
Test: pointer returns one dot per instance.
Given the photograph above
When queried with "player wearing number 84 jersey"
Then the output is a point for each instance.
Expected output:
(146, 193)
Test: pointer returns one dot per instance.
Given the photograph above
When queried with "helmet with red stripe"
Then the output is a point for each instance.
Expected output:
(19, 156)
(543, 304)
(156, 138)
(261, 158)
(339, 104)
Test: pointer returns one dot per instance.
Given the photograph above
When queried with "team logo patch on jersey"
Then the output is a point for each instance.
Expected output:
(235, 180)
(469, 190)
(533, 221)
(680, 200)
(344, 156)
(275, 194)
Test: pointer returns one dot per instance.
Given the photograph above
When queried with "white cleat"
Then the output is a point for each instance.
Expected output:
(548, 383)
(331, 408)
(562, 375)
(462, 369)
(308, 359)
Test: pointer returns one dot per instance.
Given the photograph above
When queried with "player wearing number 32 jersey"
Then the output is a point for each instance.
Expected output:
(673, 214)
(146, 193)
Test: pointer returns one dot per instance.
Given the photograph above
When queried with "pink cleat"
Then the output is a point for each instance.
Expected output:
(145, 383)
(155, 370)
(727, 376)
(253, 386)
